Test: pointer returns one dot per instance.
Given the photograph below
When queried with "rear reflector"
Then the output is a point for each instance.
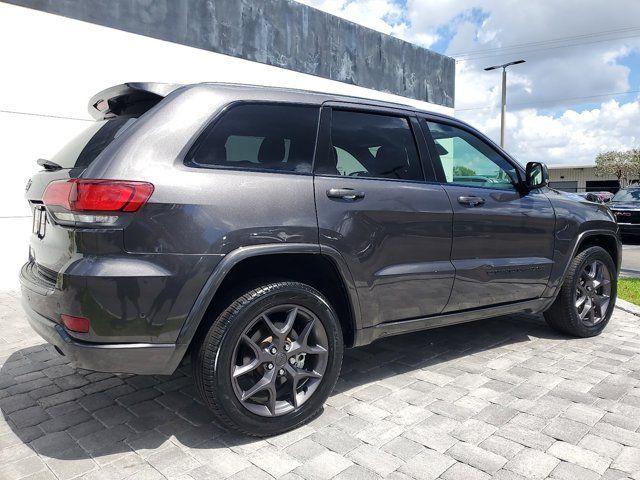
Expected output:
(75, 324)
(83, 195)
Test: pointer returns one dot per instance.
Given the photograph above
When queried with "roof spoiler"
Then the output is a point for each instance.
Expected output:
(129, 98)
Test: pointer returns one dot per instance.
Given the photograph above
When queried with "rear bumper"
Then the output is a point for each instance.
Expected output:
(139, 358)
(142, 358)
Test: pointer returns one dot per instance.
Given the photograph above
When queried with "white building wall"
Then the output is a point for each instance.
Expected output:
(578, 174)
(52, 65)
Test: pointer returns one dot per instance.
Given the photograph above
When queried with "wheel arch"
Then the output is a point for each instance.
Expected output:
(321, 267)
(608, 241)
(605, 238)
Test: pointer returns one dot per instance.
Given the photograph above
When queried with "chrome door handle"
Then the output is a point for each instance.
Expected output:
(471, 201)
(345, 194)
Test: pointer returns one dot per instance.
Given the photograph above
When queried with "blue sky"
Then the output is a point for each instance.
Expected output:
(560, 103)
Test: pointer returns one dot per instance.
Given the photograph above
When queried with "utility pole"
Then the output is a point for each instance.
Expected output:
(504, 94)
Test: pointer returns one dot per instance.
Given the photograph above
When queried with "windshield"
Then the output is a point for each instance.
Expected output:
(627, 195)
(84, 149)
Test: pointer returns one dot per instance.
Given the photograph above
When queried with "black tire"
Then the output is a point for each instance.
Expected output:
(563, 314)
(213, 358)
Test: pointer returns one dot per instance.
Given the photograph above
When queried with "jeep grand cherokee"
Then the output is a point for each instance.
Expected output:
(260, 231)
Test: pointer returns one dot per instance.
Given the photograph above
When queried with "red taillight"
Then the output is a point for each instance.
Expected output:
(75, 324)
(82, 195)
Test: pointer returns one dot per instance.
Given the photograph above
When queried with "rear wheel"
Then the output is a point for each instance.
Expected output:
(271, 359)
(587, 297)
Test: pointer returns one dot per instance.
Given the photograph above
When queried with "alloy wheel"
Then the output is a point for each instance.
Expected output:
(279, 360)
(593, 293)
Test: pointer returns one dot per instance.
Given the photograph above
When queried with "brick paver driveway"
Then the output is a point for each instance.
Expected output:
(505, 397)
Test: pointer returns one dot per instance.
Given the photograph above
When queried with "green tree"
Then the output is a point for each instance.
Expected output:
(613, 163)
(633, 159)
(460, 171)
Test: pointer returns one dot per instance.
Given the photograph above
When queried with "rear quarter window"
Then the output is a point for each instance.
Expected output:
(259, 137)
(83, 149)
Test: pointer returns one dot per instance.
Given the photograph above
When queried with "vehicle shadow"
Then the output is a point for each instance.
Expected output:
(66, 413)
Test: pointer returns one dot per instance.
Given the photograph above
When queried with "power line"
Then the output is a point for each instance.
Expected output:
(522, 52)
(541, 102)
(544, 42)
(555, 47)
(46, 116)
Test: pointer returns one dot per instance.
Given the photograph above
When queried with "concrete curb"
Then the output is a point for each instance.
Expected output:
(628, 307)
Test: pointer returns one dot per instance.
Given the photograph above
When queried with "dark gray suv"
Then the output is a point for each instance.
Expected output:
(260, 231)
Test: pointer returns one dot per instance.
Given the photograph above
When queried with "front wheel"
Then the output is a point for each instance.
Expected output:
(271, 359)
(587, 297)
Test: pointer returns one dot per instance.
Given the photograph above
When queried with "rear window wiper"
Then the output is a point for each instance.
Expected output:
(49, 165)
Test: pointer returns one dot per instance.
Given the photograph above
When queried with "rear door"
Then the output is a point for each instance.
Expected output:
(390, 222)
(503, 237)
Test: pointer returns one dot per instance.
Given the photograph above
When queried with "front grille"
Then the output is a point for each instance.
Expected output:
(625, 216)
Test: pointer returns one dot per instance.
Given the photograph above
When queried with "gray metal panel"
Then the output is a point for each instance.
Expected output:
(282, 33)
(396, 242)
(502, 249)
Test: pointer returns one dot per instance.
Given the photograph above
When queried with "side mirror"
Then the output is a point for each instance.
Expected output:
(537, 175)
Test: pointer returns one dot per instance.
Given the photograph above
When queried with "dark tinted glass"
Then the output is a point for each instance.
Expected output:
(84, 149)
(371, 145)
(267, 137)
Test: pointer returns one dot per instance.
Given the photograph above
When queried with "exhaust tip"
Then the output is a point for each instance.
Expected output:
(58, 350)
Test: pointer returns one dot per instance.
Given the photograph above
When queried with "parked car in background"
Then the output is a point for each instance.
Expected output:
(605, 197)
(260, 231)
(599, 197)
(587, 196)
(625, 205)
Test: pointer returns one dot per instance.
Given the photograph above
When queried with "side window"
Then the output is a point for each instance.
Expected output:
(259, 136)
(467, 160)
(371, 145)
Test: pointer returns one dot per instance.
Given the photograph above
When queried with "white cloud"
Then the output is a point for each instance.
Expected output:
(385, 16)
(554, 79)
(572, 138)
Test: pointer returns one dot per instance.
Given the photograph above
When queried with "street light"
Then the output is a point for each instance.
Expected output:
(504, 93)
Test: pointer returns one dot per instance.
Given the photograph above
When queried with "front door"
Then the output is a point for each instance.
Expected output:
(374, 207)
(503, 238)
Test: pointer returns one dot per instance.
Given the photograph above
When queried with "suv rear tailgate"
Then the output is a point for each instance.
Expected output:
(52, 246)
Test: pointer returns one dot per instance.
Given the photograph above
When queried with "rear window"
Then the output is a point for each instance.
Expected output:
(259, 137)
(84, 149)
